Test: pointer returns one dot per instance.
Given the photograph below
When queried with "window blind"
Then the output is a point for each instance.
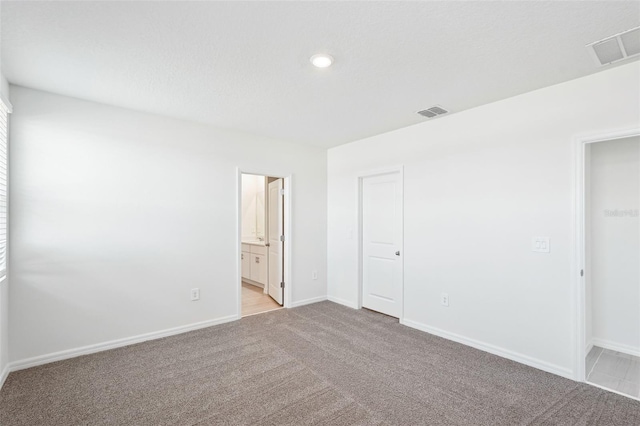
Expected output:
(4, 119)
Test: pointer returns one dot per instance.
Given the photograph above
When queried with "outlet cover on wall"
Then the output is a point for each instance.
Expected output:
(314, 275)
(541, 244)
(444, 299)
(195, 294)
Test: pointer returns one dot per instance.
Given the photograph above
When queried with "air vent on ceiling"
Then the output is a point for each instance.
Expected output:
(432, 112)
(616, 48)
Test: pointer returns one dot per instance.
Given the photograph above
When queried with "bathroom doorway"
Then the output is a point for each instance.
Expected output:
(262, 243)
(610, 263)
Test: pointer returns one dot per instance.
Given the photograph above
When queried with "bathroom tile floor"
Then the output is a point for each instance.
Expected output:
(254, 301)
(614, 370)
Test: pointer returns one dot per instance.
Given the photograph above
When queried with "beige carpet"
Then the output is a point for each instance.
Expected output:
(320, 364)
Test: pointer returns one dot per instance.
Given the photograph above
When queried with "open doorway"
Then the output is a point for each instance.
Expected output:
(262, 241)
(610, 274)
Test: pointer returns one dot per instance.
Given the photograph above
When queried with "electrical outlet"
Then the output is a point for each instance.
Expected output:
(541, 244)
(195, 294)
(444, 299)
(314, 275)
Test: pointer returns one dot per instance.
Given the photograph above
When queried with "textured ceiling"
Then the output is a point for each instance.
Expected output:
(245, 65)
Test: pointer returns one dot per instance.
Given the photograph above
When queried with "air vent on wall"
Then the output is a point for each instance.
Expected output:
(432, 112)
(616, 48)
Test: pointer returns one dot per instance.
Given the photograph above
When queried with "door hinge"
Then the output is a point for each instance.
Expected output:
(282, 238)
(281, 284)
(582, 272)
(282, 192)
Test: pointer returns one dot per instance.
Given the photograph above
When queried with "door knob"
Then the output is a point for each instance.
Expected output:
(397, 253)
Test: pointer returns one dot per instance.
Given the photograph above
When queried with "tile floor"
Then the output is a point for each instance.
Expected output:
(614, 370)
(254, 301)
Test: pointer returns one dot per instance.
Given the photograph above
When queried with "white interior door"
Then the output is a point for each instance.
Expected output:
(382, 267)
(276, 245)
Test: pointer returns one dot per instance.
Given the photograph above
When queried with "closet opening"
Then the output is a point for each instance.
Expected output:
(610, 259)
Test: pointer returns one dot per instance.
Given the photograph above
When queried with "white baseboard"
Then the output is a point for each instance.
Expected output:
(308, 301)
(588, 348)
(343, 302)
(3, 375)
(617, 347)
(254, 283)
(496, 350)
(105, 346)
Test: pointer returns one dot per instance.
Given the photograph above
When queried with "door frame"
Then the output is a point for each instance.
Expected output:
(287, 255)
(360, 177)
(579, 260)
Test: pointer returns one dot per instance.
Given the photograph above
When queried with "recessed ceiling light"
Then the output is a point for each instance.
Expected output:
(322, 60)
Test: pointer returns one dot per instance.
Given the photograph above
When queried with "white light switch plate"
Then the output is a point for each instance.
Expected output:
(541, 244)
(195, 294)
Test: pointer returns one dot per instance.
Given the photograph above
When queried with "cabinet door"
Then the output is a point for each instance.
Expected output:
(264, 267)
(259, 268)
(246, 265)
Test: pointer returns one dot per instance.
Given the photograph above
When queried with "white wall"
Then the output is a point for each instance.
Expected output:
(253, 207)
(116, 215)
(615, 243)
(4, 286)
(4, 300)
(478, 186)
(4, 330)
(4, 84)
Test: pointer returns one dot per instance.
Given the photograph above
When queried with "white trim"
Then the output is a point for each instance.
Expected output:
(308, 301)
(4, 375)
(288, 242)
(118, 343)
(344, 302)
(239, 241)
(359, 178)
(588, 348)
(496, 350)
(578, 258)
(253, 283)
(608, 136)
(616, 347)
(577, 263)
